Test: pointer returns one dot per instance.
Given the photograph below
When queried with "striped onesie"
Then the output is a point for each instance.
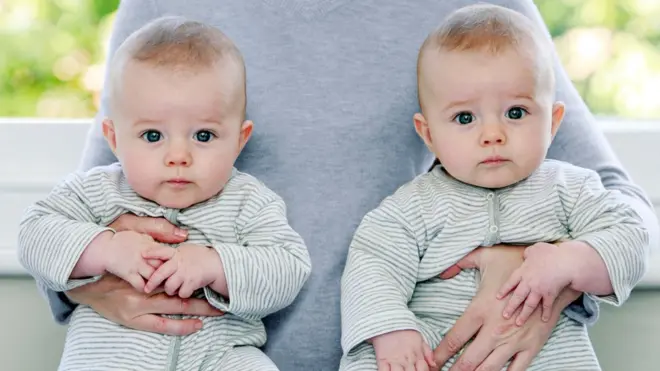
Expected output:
(390, 281)
(266, 264)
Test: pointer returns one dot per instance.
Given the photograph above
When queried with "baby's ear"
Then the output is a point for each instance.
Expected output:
(109, 134)
(245, 134)
(422, 128)
(558, 110)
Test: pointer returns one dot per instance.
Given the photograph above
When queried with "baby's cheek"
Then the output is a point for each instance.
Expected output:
(141, 178)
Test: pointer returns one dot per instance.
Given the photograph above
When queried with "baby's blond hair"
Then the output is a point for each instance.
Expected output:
(492, 29)
(179, 44)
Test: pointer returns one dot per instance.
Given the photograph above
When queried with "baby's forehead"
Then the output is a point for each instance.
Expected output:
(218, 83)
(509, 69)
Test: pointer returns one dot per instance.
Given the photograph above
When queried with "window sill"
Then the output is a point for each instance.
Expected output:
(50, 149)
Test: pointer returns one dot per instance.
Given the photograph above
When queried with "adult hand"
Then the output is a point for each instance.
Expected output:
(160, 229)
(117, 301)
(497, 339)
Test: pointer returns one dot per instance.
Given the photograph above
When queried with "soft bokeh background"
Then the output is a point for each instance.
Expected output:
(52, 54)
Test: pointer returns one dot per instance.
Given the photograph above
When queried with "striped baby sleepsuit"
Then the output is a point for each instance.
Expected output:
(391, 277)
(266, 264)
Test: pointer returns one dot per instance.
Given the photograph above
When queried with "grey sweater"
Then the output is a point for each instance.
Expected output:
(332, 91)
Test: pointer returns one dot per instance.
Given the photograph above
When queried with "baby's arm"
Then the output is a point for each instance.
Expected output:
(267, 268)
(55, 232)
(378, 282)
(608, 254)
(611, 227)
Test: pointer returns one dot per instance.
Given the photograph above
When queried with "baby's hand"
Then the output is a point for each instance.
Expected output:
(185, 268)
(123, 257)
(402, 350)
(546, 271)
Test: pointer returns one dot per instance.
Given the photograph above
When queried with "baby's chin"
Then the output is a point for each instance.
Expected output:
(495, 179)
(502, 180)
(181, 199)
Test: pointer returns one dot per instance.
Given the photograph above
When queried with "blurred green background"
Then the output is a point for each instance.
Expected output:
(52, 54)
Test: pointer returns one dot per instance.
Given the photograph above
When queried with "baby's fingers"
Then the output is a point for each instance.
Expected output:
(173, 284)
(510, 284)
(159, 252)
(188, 287)
(155, 262)
(548, 300)
(531, 303)
(517, 298)
(160, 275)
(145, 270)
(135, 280)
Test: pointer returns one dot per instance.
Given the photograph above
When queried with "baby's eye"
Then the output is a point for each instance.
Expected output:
(204, 136)
(152, 136)
(516, 113)
(464, 118)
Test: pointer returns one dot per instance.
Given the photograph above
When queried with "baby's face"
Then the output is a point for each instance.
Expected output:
(487, 119)
(176, 134)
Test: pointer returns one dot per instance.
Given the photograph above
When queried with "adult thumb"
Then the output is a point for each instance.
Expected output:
(469, 261)
(162, 231)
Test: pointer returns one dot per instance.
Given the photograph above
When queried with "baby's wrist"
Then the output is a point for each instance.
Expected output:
(103, 248)
(219, 283)
(581, 258)
(93, 260)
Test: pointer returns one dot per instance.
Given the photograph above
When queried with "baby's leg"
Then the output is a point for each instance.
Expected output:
(362, 358)
(246, 358)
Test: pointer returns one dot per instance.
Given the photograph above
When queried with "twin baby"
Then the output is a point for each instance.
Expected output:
(176, 123)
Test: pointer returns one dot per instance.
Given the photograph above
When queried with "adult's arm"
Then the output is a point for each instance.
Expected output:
(131, 15)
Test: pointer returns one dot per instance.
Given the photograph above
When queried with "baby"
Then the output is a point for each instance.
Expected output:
(176, 123)
(486, 90)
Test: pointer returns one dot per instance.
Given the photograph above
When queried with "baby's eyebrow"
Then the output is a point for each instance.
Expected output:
(457, 103)
(146, 121)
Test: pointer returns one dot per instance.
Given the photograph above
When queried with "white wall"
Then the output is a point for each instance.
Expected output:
(36, 154)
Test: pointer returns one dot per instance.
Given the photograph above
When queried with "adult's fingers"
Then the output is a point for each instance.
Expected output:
(165, 304)
(383, 366)
(469, 261)
(497, 359)
(167, 326)
(421, 365)
(474, 354)
(427, 353)
(450, 272)
(462, 331)
(522, 361)
(162, 230)
(158, 228)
